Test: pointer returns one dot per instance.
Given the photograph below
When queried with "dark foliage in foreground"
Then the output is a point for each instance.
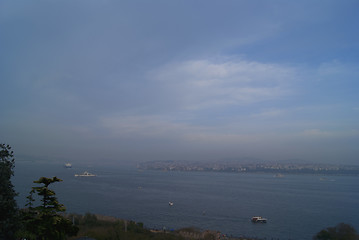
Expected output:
(91, 226)
(45, 221)
(341, 231)
(107, 228)
(8, 206)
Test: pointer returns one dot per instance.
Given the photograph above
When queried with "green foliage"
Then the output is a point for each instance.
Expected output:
(8, 206)
(340, 232)
(209, 236)
(92, 226)
(190, 230)
(44, 221)
(90, 220)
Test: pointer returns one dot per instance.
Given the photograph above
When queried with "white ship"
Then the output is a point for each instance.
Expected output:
(68, 165)
(279, 175)
(85, 174)
(259, 220)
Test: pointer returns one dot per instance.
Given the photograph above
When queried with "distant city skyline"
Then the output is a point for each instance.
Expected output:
(118, 81)
(251, 167)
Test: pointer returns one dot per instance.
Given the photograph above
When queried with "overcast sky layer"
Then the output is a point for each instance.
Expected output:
(102, 80)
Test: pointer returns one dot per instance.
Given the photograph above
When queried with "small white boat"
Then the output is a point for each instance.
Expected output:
(259, 219)
(279, 175)
(85, 174)
(68, 165)
(170, 203)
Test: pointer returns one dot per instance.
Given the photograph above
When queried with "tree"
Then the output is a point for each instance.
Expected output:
(45, 221)
(8, 206)
(342, 231)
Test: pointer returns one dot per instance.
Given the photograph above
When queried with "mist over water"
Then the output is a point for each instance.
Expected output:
(297, 206)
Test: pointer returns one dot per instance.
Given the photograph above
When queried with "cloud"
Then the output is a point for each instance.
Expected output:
(337, 70)
(269, 113)
(186, 89)
(316, 133)
(223, 82)
(161, 128)
(142, 126)
(329, 134)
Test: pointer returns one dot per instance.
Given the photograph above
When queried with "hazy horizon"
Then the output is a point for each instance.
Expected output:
(201, 80)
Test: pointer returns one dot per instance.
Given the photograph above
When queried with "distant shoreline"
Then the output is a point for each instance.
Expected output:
(235, 167)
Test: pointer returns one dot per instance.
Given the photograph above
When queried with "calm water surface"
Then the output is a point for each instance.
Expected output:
(297, 206)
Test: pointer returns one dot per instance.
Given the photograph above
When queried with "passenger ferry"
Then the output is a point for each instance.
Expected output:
(68, 165)
(85, 174)
(259, 220)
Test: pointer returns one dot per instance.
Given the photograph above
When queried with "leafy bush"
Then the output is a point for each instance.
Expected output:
(342, 231)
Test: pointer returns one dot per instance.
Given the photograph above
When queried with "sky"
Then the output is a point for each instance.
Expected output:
(139, 80)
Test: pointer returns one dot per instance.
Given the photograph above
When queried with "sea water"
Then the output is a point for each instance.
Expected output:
(296, 206)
